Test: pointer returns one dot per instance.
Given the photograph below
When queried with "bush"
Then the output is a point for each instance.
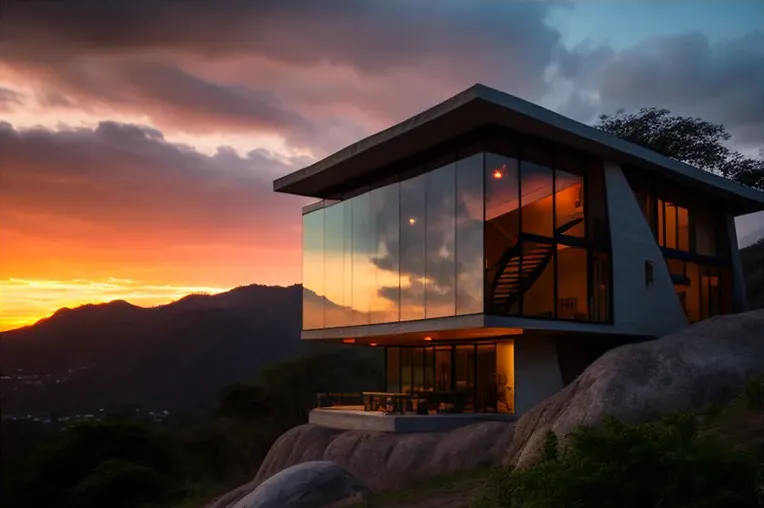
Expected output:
(662, 464)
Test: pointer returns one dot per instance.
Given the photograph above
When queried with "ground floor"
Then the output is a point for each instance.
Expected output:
(454, 378)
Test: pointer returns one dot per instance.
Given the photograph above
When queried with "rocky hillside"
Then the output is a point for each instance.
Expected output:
(709, 362)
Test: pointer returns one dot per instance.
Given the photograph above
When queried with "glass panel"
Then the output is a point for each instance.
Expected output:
(572, 277)
(670, 216)
(334, 268)
(440, 231)
(469, 235)
(412, 253)
(505, 376)
(313, 270)
(569, 204)
(465, 375)
(705, 304)
(347, 279)
(501, 230)
(600, 307)
(596, 204)
(691, 293)
(406, 370)
(429, 369)
(705, 238)
(443, 369)
(714, 289)
(364, 271)
(386, 295)
(661, 224)
(393, 369)
(486, 378)
(537, 279)
(418, 363)
(683, 226)
(537, 186)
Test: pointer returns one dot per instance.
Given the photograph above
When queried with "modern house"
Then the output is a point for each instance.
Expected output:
(494, 249)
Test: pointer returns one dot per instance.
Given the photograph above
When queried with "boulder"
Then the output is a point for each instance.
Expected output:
(313, 484)
(386, 461)
(707, 362)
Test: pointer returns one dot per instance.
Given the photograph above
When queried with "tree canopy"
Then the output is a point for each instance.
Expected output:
(693, 141)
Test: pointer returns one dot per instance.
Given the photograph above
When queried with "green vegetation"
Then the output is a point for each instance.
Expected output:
(667, 463)
(691, 140)
(125, 464)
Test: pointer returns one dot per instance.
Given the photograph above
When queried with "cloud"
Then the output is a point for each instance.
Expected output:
(720, 81)
(9, 98)
(120, 201)
(297, 69)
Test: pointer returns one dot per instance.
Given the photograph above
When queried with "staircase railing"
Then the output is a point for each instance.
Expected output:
(524, 282)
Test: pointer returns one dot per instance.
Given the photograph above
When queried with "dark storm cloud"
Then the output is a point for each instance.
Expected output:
(721, 81)
(128, 177)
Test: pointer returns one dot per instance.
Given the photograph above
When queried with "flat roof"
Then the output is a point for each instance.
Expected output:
(479, 106)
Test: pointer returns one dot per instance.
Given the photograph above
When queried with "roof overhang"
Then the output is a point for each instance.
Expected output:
(480, 106)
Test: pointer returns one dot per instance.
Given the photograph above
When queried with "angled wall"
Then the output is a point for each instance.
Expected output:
(638, 307)
(739, 294)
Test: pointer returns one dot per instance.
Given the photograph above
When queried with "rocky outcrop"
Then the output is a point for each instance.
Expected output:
(314, 484)
(707, 362)
(386, 461)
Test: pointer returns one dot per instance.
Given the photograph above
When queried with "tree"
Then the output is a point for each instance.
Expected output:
(690, 140)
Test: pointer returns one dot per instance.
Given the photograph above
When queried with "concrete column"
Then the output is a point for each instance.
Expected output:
(739, 293)
(537, 371)
(639, 308)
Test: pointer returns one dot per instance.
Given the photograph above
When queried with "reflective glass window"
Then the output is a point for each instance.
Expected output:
(313, 270)
(469, 235)
(412, 248)
(440, 236)
(537, 193)
(385, 301)
(572, 283)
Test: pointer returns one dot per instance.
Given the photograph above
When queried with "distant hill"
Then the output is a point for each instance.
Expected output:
(174, 357)
(753, 268)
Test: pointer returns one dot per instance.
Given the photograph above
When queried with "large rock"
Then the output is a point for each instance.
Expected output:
(386, 461)
(314, 484)
(707, 362)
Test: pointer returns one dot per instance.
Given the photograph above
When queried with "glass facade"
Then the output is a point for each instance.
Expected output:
(476, 377)
(692, 237)
(412, 249)
(511, 229)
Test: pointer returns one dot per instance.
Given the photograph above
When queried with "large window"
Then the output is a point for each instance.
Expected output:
(546, 235)
(478, 377)
(517, 230)
(690, 231)
(403, 251)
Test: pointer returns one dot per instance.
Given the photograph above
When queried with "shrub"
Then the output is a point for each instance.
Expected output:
(662, 464)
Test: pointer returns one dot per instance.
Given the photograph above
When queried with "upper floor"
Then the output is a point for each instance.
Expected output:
(499, 220)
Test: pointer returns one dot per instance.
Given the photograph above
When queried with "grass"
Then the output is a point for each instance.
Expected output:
(453, 490)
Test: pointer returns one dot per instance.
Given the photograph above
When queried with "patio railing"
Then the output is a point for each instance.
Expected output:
(396, 403)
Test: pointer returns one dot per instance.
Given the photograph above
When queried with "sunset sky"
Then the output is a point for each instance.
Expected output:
(139, 139)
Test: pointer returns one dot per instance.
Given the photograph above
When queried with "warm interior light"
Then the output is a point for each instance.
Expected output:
(428, 339)
(348, 341)
(412, 221)
(372, 344)
(499, 172)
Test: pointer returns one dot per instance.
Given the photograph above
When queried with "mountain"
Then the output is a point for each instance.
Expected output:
(175, 356)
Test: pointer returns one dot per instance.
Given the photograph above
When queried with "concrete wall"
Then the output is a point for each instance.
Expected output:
(637, 308)
(370, 421)
(537, 371)
(739, 293)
